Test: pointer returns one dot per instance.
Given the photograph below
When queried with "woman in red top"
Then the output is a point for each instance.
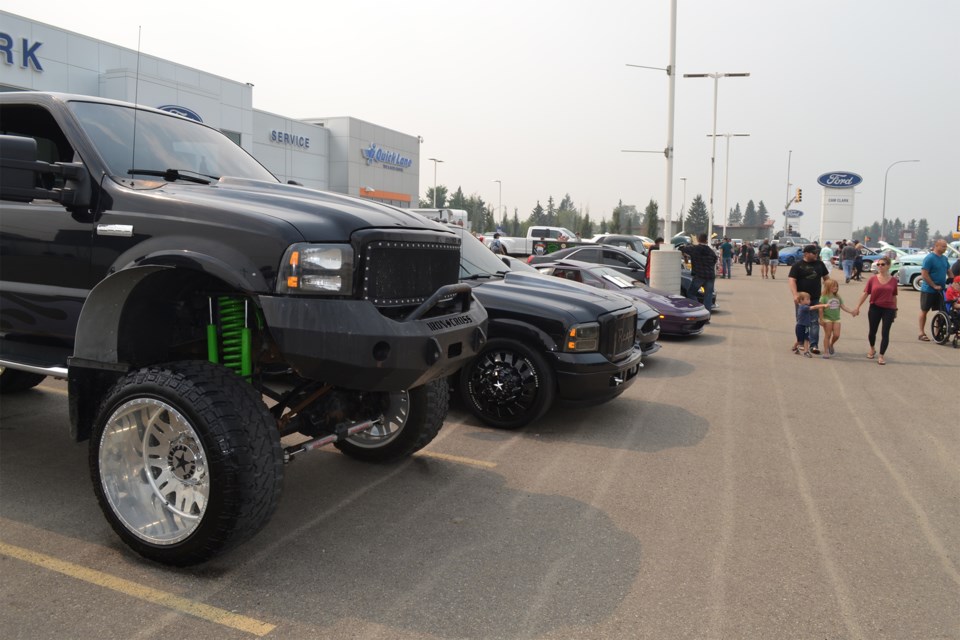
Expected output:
(882, 291)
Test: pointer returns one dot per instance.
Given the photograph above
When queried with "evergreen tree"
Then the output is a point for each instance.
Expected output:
(762, 214)
(698, 218)
(923, 233)
(551, 212)
(603, 227)
(750, 218)
(586, 227)
(457, 201)
(652, 224)
(615, 220)
(736, 216)
(515, 224)
(427, 202)
(537, 216)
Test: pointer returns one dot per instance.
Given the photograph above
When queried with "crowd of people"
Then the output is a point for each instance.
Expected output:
(817, 300)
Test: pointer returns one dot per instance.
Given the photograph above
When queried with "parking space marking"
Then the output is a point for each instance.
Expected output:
(470, 461)
(147, 594)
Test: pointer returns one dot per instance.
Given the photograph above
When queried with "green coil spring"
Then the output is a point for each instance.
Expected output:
(228, 336)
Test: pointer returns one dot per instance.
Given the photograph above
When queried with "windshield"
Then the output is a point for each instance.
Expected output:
(476, 260)
(167, 146)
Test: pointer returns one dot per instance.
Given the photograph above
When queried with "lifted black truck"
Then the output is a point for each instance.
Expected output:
(201, 310)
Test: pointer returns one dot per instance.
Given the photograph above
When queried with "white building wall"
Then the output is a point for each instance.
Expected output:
(304, 161)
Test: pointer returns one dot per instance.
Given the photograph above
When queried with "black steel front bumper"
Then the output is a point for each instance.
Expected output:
(350, 344)
(588, 378)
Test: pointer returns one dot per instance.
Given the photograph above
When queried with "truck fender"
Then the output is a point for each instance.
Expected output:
(199, 254)
(531, 335)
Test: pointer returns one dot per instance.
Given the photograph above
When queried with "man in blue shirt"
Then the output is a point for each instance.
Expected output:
(726, 251)
(933, 271)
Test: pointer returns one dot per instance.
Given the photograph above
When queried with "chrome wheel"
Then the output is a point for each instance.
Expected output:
(154, 471)
(394, 419)
(917, 283)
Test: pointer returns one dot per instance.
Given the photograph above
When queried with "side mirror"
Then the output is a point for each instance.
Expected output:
(19, 169)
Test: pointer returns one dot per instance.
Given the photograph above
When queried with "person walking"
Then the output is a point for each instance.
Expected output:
(830, 315)
(747, 255)
(808, 275)
(857, 263)
(497, 246)
(806, 318)
(774, 259)
(881, 288)
(726, 254)
(933, 271)
(847, 256)
(764, 253)
(703, 268)
(826, 254)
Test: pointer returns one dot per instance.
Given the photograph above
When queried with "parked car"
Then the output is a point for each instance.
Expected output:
(789, 255)
(626, 261)
(679, 316)
(640, 244)
(548, 340)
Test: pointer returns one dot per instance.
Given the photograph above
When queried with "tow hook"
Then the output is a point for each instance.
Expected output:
(341, 432)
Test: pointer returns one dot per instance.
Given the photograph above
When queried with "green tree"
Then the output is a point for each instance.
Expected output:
(457, 200)
(515, 224)
(923, 233)
(762, 214)
(551, 212)
(586, 227)
(698, 218)
(652, 226)
(603, 226)
(537, 216)
(750, 218)
(736, 216)
(427, 202)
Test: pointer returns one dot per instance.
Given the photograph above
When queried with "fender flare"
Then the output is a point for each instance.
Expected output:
(500, 328)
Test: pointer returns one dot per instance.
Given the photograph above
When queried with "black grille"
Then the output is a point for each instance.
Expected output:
(618, 334)
(398, 273)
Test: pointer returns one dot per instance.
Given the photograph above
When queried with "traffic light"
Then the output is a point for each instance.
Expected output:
(799, 195)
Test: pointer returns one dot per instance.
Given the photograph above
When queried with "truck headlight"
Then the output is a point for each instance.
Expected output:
(583, 337)
(316, 269)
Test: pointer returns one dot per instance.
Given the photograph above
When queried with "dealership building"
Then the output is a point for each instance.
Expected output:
(341, 154)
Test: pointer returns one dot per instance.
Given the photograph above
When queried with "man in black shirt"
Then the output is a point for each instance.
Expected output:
(703, 268)
(808, 275)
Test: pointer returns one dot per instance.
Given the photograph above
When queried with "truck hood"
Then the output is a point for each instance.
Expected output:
(546, 296)
(319, 216)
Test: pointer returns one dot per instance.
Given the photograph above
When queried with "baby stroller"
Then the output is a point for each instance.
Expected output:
(945, 326)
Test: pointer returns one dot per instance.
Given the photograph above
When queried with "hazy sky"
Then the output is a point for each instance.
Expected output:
(539, 94)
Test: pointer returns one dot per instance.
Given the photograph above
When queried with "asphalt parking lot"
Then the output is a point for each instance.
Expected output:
(735, 491)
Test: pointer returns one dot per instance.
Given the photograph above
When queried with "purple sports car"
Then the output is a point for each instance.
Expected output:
(679, 316)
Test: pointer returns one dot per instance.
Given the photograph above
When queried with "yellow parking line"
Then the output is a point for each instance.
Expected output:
(147, 594)
(460, 459)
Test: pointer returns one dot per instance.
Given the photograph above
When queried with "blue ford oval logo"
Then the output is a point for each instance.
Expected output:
(181, 111)
(839, 180)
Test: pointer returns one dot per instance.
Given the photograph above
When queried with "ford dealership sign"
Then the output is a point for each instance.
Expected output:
(839, 180)
(177, 110)
(793, 213)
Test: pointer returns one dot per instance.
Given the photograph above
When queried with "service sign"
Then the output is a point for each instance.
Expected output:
(793, 213)
(839, 180)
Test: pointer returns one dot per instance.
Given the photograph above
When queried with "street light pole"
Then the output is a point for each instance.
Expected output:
(435, 163)
(713, 154)
(883, 217)
(683, 206)
(726, 175)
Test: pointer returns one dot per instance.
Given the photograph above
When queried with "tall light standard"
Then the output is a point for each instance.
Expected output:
(883, 217)
(726, 174)
(499, 200)
(683, 206)
(713, 154)
(435, 163)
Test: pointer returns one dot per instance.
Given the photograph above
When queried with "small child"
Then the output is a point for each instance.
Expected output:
(953, 294)
(804, 318)
(832, 303)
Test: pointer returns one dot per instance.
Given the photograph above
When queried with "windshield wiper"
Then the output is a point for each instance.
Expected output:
(172, 175)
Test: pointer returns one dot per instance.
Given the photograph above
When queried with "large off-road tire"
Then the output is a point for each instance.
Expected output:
(186, 461)
(14, 380)
(940, 327)
(411, 421)
(507, 385)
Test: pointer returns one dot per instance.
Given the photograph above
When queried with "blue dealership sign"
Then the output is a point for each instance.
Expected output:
(793, 213)
(177, 110)
(839, 180)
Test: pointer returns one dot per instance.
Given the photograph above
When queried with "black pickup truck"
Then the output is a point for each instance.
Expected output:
(201, 310)
(550, 340)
